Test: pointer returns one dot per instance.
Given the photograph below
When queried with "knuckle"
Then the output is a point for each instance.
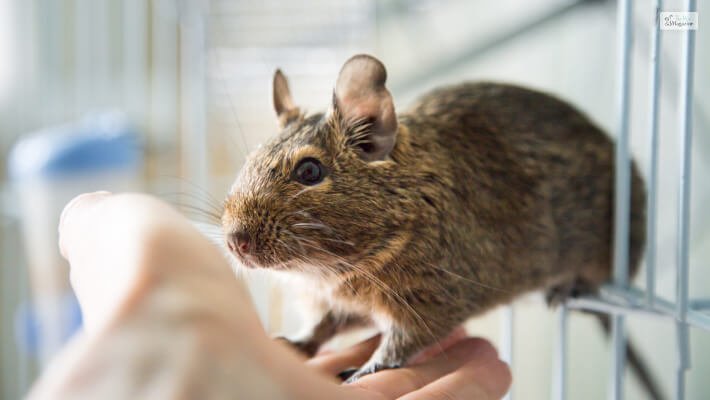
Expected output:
(505, 373)
(494, 377)
(482, 348)
(488, 348)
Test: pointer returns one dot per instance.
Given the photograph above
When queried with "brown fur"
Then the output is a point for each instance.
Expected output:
(491, 191)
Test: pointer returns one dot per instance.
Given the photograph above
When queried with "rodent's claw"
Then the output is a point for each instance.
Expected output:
(558, 294)
(366, 370)
(306, 347)
(347, 373)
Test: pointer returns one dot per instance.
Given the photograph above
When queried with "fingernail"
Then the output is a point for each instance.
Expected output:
(76, 200)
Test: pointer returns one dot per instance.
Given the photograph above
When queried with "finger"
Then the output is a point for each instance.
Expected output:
(70, 220)
(332, 363)
(457, 334)
(118, 244)
(397, 382)
(489, 379)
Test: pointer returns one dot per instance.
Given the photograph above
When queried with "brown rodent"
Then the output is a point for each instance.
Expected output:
(418, 220)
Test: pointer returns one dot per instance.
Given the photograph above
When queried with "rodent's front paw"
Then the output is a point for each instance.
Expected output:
(307, 347)
(365, 370)
(346, 374)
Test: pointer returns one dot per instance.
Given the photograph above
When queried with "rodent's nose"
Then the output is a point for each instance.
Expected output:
(240, 242)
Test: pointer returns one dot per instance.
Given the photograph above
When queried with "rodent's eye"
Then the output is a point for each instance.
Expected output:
(309, 171)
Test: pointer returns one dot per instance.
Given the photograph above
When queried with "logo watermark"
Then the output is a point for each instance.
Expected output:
(679, 21)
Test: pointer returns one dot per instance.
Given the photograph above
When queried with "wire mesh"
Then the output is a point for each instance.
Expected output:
(619, 299)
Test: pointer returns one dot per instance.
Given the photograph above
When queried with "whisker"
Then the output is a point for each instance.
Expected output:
(312, 226)
(168, 196)
(216, 218)
(347, 242)
(321, 224)
(303, 210)
(194, 211)
(327, 229)
(467, 279)
(300, 212)
(300, 192)
(208, 198)
(244, 150)
(298, 241)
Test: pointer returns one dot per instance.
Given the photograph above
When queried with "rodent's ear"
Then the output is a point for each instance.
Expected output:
(361, 95)
(286, 110)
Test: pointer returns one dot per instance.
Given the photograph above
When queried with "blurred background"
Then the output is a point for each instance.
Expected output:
(169, 96)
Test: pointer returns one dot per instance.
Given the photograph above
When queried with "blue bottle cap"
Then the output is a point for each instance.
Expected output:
(99, 142)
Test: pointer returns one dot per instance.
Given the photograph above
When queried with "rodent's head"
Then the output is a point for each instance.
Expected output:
(318, 196)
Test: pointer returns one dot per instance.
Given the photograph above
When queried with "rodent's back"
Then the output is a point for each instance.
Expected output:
(534, 150)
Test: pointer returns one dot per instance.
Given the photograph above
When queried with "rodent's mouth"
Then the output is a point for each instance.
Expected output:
(249, 261)
(254, 262)
(252, 253)
(246, 262)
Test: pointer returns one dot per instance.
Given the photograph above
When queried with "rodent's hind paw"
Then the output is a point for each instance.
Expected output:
(558, 294)
(347, 373)
(367, 370)
(307, 347)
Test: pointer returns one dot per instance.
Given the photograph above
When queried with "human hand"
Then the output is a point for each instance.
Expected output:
(165, 317)
(460, 367)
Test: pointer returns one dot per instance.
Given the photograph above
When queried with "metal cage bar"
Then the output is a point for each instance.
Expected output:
(192, 103)
(135, 59)
(612, 300)
(560, 377)
(686, 105)
(652, 178)
(622, 194)
(506, 341)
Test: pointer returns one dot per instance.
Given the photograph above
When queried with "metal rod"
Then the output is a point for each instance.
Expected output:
(653, 161)
(622, 194)
(560, 382)
(686, 106)
(135, 60)
(21, 370)
(101, 47)
(164, 75)
(193, 87)
(682, 338)
(623, 165)
(699, 304)
(506, 341)
(618, 356)
(8, 283)
(83, 67)
(52, 22)
(662, 308)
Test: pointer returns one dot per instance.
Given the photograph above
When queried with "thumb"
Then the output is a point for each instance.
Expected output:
(71, 220)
